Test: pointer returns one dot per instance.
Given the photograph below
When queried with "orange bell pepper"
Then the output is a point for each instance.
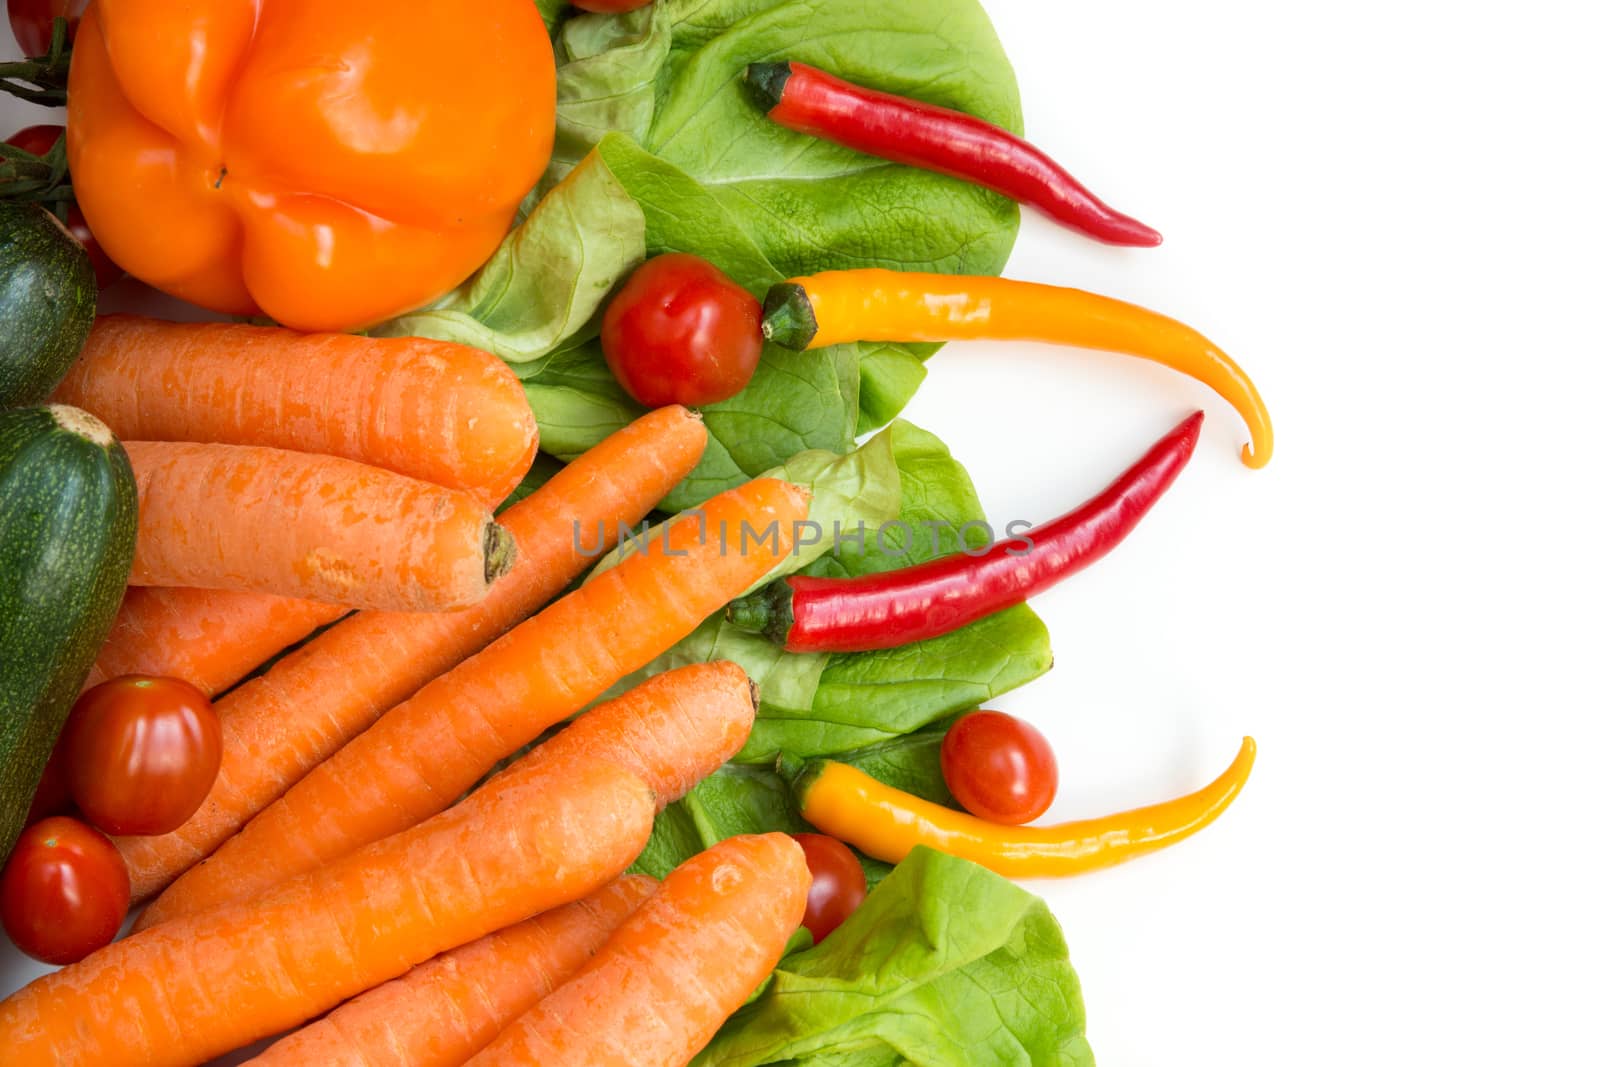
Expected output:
(329, 165)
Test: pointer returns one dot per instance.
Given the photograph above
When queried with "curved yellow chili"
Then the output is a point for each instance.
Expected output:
(836, 307)
(887, 823)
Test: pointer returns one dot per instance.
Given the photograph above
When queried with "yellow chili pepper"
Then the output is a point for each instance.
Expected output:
(887, 823)
(884, 305)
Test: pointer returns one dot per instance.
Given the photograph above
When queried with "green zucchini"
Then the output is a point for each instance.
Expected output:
(68, 519)
(47, 299)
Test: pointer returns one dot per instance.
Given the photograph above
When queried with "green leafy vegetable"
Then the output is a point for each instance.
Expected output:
(550, 276)
(551, 10)
(657, 95)
(910, 763)
(734, 800)
(944, 965)
(749, 799)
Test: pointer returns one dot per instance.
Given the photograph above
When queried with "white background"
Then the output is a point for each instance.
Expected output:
(1388, 214)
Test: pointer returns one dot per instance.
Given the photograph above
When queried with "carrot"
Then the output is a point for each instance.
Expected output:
(207, 637)
(656, 993)
(276, 728)
(671, 730)
(445, 1011)
(180, 994)
(268, 521)
(441, 413)
(429, 750)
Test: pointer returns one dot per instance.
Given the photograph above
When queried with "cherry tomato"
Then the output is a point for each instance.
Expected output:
(64, 892)
(33, 21)
(681, 332)
(38, 140)
(999, 768)
(838, 884)
(611, 7)
(141, 753)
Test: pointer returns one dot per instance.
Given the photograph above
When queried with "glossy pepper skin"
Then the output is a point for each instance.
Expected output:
(887, 823)
(885, 305)
(902, 130)
(894, 608)
(328, 165)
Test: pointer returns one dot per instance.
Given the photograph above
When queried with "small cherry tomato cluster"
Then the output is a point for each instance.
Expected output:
(138, 756)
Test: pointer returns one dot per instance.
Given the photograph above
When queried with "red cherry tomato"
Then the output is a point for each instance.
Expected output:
(64, 892)
(33, 21)
(611, 7)
(838, 884)
(141, 753)
(999, 768)
(38, 140)
(682, 332)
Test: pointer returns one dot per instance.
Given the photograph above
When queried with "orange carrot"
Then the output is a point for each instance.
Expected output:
(187, 991)
(276, 728)
(657, 992)
(441, 413)
(268, 521)
(207, 637)
(445, 1011)
(671, 730)
(429, 750)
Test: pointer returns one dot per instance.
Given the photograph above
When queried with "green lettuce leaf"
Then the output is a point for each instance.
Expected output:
(550, 11)
(657, 94)
(548, 279)
(756, 799)
(944, 965)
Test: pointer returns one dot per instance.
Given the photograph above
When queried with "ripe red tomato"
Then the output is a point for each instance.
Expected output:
(999, 768)
(682, 332)
(38, 140)
(141, 753)
(32, 21)
(64, 892)
(611, 7)
(838, 884)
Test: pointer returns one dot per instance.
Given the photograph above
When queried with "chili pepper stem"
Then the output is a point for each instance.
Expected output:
(766, 81)
(787, 317)
(768, 611)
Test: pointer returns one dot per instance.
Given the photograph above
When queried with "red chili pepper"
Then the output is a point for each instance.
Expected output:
(907, 131)
(895, 608)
